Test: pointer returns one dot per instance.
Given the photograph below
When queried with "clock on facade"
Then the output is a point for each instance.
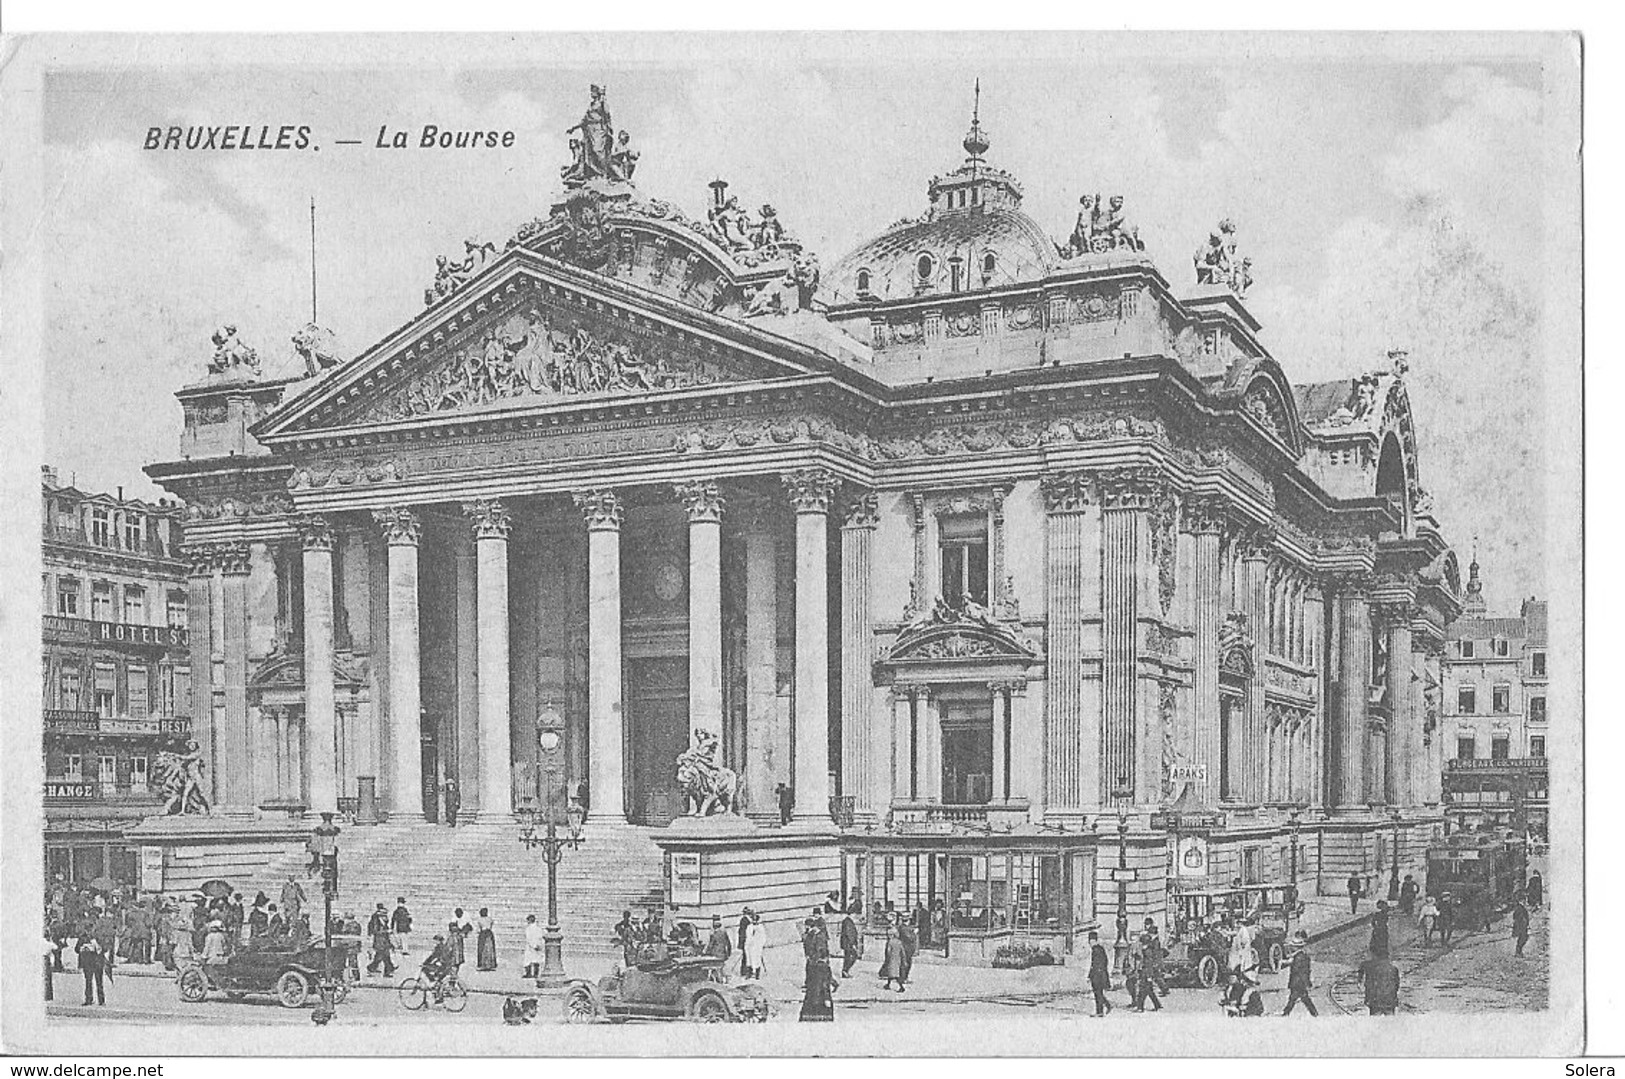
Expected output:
(668, 582)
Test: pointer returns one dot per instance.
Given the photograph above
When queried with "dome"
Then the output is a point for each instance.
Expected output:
(995, 246)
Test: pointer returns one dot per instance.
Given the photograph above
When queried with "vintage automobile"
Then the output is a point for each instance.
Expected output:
(688, 987)
(1200, 950)
(291, 975)
(1272, 906)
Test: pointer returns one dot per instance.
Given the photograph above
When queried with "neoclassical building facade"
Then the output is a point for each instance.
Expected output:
(991, 548)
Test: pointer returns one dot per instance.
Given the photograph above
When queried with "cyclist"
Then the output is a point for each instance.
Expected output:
(439, 966)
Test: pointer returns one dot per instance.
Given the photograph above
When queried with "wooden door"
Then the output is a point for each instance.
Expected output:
(657, 713)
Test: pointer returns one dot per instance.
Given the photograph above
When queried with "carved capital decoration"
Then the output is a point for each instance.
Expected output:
(315, 534)
(1255, 543)
(1066, 492)
(1391, 615)
(811, 489)
(703, 499)
(489, 517)
(862, 510)
(1015, 687)
(1131, 488)
(1205, 515)
(206, 557)
(399, 525)
(600, 509)
(902, 691)
(1350, 585)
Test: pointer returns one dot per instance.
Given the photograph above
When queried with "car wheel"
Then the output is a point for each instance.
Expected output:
(708, 1007)
(292, 989)
(1207, 971)
(580, 1007)
(193, 985)
(1274, 958)
(413, 995)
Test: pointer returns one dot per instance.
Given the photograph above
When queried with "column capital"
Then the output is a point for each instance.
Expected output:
(703, 499)
(1131, 488)
(910, 691)
(206, 556)
(862, 510)
(1205, 515)
(1353, 585)
(1066, 492)
(315, 534)
(600, 509)
(489, 517)
(811, 489)
(1396, 614)
(1256, 543)
(233, 558)
(400, 526)
(1015, 687)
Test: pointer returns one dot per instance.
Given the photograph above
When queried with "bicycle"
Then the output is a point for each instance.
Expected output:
(416, 992)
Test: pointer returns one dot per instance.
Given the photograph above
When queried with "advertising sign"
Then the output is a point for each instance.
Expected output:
(1191, 856)
(152, 869)
(685, 879)
(72, 792)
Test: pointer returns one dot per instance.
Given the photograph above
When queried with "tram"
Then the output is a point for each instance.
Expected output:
(1482, 872)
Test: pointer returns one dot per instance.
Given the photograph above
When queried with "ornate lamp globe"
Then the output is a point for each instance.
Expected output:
(549, 740)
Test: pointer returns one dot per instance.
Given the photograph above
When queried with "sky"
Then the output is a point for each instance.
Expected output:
(1385, 203)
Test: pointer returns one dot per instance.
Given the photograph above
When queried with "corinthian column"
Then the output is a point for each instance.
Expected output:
(1071, 754)
(859, 773)
(1396, 618)
(1353, 678)
(491, 524)
(1127, 496)
(601, 511)
(810, 492)
(200, 620)
(704, 504)
(238, 763)
(1205, 520)
(1255, 555)
(402, 530)
(320, 725)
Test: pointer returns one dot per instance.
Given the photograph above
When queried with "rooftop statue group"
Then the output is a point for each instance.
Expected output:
(1217, 264)
(1101, 229)
(180, 780)
(231, 356)
(450, 275)
(598, 153)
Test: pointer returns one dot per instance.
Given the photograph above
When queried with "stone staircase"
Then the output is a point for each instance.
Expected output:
(438, 869)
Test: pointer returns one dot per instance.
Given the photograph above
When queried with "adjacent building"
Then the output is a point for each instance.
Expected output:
(116, 671)
(1496, 723)
(1020, 560)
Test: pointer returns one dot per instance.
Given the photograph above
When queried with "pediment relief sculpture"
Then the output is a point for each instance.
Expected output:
(968, 631)
(537, 354)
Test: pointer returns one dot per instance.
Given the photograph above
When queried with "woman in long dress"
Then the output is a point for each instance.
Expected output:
(893, 967)
(755, 944)
(818, 1006)
(486, 947)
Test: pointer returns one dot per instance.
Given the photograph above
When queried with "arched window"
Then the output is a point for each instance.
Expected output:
(989, 264)
(863, 282)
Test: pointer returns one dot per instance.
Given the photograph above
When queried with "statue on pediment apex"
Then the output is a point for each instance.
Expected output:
(597, 152)
(1218, 264)
(231, 356)
(317, 347)
(450, 275)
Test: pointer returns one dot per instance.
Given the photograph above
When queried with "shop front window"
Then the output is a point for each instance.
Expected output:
(969, 895)
(967, 753)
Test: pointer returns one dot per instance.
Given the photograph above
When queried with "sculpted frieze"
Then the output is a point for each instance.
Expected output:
(224, 507)
(748, 434)
(1016, 434)
(539, 354)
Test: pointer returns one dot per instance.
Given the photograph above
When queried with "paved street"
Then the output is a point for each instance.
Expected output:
(1477, 973)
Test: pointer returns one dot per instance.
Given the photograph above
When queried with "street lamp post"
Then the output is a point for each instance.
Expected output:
(1393, 877)
(1294, 820)
(1122, 887)
(325, 837)
(548, 740)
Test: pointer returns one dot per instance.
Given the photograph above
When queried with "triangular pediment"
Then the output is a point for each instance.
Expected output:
(531, 332)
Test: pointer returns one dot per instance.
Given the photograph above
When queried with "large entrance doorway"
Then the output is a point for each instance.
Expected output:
(657, 721)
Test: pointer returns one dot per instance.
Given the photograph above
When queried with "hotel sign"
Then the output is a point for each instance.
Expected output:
(86, 631)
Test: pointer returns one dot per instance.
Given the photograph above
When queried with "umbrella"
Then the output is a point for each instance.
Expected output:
(216, 889)
(103, 884)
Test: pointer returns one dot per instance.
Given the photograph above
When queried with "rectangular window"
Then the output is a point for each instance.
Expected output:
(68, 687)
(101, 601)
(1499, 746)
(135, 605)
(139, 692)
(107, 773)
(1466, 749)
(1537, 709)
(101, 528)
(1466, 700)
(1537, 664)
(1252, 865)
(73, 769)
(106, 699)
(183, 691)
(133, 532)
(1537, 745)
(67, 597)
(175, 610)
(964, 561)
(1501, 699)
(1502, 648)
(1466, 648)
(138, 775)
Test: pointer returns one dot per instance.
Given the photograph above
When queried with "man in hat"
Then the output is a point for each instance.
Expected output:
(400, 925)
(719, 944)
(815, 936)
(293, 900)
(1243, 999)
(1520, 926)
(1297, 975)
(439, 966)
(1379, 928)
(378, 930)
(1100, 974)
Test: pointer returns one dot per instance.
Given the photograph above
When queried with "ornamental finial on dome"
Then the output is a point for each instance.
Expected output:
(976, 143)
